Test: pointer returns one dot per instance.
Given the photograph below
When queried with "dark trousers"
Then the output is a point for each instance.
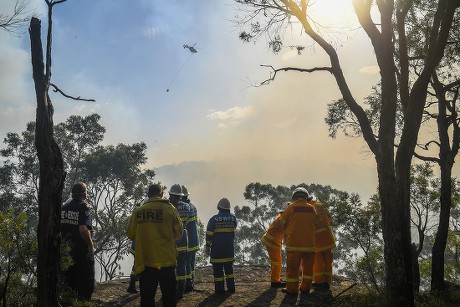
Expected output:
(80, 277)
(223, 271)
(191, 256)
(181, 272)
(148, 283)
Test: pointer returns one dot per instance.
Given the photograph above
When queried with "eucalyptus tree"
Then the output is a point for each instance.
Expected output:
(117, 182)
(19, 172)
(77, 137)
(265, 202)
(441, 111)
(360, 249)
(388, 35)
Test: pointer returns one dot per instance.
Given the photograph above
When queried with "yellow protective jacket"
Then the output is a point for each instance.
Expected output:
(273, 237)
(155, 226)
(324, 236)
(299, 220)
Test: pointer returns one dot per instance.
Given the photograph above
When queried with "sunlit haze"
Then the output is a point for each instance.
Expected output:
(204, 122)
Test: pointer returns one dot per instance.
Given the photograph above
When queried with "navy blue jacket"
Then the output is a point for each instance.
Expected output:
(220, 237)
(192, 229)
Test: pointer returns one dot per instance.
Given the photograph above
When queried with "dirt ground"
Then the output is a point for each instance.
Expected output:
(252, 289)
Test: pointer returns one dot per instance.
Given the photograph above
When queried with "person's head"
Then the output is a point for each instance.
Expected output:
(175, 193)
(300, 193)
(79, 191)
(223, 204)
(155, 190)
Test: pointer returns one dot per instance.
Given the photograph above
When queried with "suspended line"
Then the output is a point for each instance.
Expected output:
(180, 68)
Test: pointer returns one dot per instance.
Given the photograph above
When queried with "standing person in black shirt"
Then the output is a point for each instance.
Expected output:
(76, 228)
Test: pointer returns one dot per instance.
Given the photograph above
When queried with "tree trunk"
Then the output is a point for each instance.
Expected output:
(446, 162)
(440, 242)
(51, 182)
(397, 247)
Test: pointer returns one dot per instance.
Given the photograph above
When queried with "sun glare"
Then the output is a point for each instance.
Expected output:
(332, 11)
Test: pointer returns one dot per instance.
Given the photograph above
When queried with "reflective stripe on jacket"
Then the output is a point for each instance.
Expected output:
(154, 226)
(184, 212)
(324, 235)
(273, 237)
(220, 237)
(192, 229)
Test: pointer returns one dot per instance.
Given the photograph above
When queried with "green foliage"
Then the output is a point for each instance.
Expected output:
(253, 221)
(340, 118)
(115, 176)
(358, 231)
(201, 258)
(425, 203)
(18, 248)
(116, 182)
(20, 171)
(452, 268)
(77, 137)
(266, 200)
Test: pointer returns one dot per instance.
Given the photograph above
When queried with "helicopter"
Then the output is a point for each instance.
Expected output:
(191, 48)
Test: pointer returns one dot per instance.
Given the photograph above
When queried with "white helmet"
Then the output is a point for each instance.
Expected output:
(300, 190)
(176, 189)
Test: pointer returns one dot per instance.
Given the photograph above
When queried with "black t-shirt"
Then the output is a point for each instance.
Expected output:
(74, 214)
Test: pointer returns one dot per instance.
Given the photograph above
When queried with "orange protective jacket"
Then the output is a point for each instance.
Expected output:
(299, 220)
(324, 236)
(273, 237)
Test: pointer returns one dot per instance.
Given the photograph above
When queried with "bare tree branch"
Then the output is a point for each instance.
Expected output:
(58, 90)
(16, 22)
(276, 70)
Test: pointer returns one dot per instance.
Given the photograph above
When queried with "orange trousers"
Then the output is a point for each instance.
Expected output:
(275, 263)
(293, 262)
(322, 269)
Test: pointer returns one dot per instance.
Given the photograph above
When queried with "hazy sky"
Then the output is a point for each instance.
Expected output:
(126, 54)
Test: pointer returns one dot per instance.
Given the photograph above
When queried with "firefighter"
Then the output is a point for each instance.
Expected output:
(299, 220)
(76, 229)
(220, 246)
(193, 241)
(175, 196)
(325, 242)
(272, 239)
(155, 226)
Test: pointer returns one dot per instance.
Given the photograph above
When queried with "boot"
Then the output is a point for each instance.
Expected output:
(278, 284)
(132, 285)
